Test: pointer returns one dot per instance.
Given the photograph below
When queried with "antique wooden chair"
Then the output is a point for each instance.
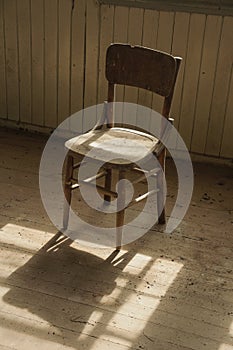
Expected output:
(131, 66)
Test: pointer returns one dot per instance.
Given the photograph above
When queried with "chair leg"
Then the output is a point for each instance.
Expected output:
(161, 202)
(108, 183)
(120, 213)
(67, 190)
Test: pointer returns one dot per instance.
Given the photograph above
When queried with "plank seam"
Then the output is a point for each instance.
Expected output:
(198, 83)
(212, 95)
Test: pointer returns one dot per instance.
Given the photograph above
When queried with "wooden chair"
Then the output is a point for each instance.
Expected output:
(132, 66)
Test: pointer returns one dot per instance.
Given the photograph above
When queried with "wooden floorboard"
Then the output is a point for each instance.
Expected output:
(161, 292)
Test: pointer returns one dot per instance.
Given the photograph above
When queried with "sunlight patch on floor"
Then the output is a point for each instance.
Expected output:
(225, 347)
(138, 290)
(12, 234)
(231, 329)
(128, 328)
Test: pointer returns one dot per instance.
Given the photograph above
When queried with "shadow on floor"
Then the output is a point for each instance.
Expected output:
(91, 303)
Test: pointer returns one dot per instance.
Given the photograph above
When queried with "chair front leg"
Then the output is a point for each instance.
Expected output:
(161, 199)
(67, 190)
(120, 209)
(108, 183)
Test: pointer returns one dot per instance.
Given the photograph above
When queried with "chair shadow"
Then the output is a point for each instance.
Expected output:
(64, 286)
(75, 295)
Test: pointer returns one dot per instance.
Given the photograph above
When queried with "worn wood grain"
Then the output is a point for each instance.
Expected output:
(3, 101)
(11, 56)
(193, 59)
(221, 89)
(64, 42)
(163, 292)
(24, 38)
(51, 63)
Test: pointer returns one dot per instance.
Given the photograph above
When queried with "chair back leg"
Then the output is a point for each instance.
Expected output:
(160, 197)
(108, 183)
(120, 212)
(67, 189)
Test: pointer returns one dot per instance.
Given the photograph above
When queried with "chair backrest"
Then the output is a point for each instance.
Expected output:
(142, 67)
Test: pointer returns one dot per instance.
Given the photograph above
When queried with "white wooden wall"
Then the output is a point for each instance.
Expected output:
(52, 58)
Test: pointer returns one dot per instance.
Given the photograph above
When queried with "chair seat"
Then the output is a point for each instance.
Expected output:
(116, 146)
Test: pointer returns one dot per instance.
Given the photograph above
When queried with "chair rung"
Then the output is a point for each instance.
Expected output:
(143, 196)
(101, 189)
(74, 186)
(92, 178)
(155, 170)
(146, 173)
(95, 177)
(77, 165)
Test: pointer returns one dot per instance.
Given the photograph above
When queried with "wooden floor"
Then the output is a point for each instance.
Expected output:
(162, 292)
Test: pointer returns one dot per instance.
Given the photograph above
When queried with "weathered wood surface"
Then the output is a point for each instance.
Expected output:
(165, 292)
(52, 57)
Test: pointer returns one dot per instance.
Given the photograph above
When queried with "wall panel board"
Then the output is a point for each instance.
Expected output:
(179, 48)
(134, 38)
(206, 82)
(37, 40)
(77, 55)
(78, 40)
(191, 76)
(164, 43)
(24, 35)
(220, 89)
(3, 97)
(149, 39)
(11, 54)
(51, 63)
(64, 42)
(91, 58)
(121, 22)
(106, 38)
(227, 144)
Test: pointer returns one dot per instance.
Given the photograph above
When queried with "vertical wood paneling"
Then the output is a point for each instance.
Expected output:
(121, 16)
(164, 43)
(92, 58)
(149, 39)
(220, 92)
(150, 28)
(37, 39)
(77, 61)
(227, 143)
(179, 48)
(165, 31)
(11, 47)
(24, 34)
(92, 52)
(77, 55)
(64, 31)
(206, 82)
(106, 36)
(191, 76)
(50, 64)
(3, 100)
(134, 38)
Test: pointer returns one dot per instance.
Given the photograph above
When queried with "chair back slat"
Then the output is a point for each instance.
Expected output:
(140, 67)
